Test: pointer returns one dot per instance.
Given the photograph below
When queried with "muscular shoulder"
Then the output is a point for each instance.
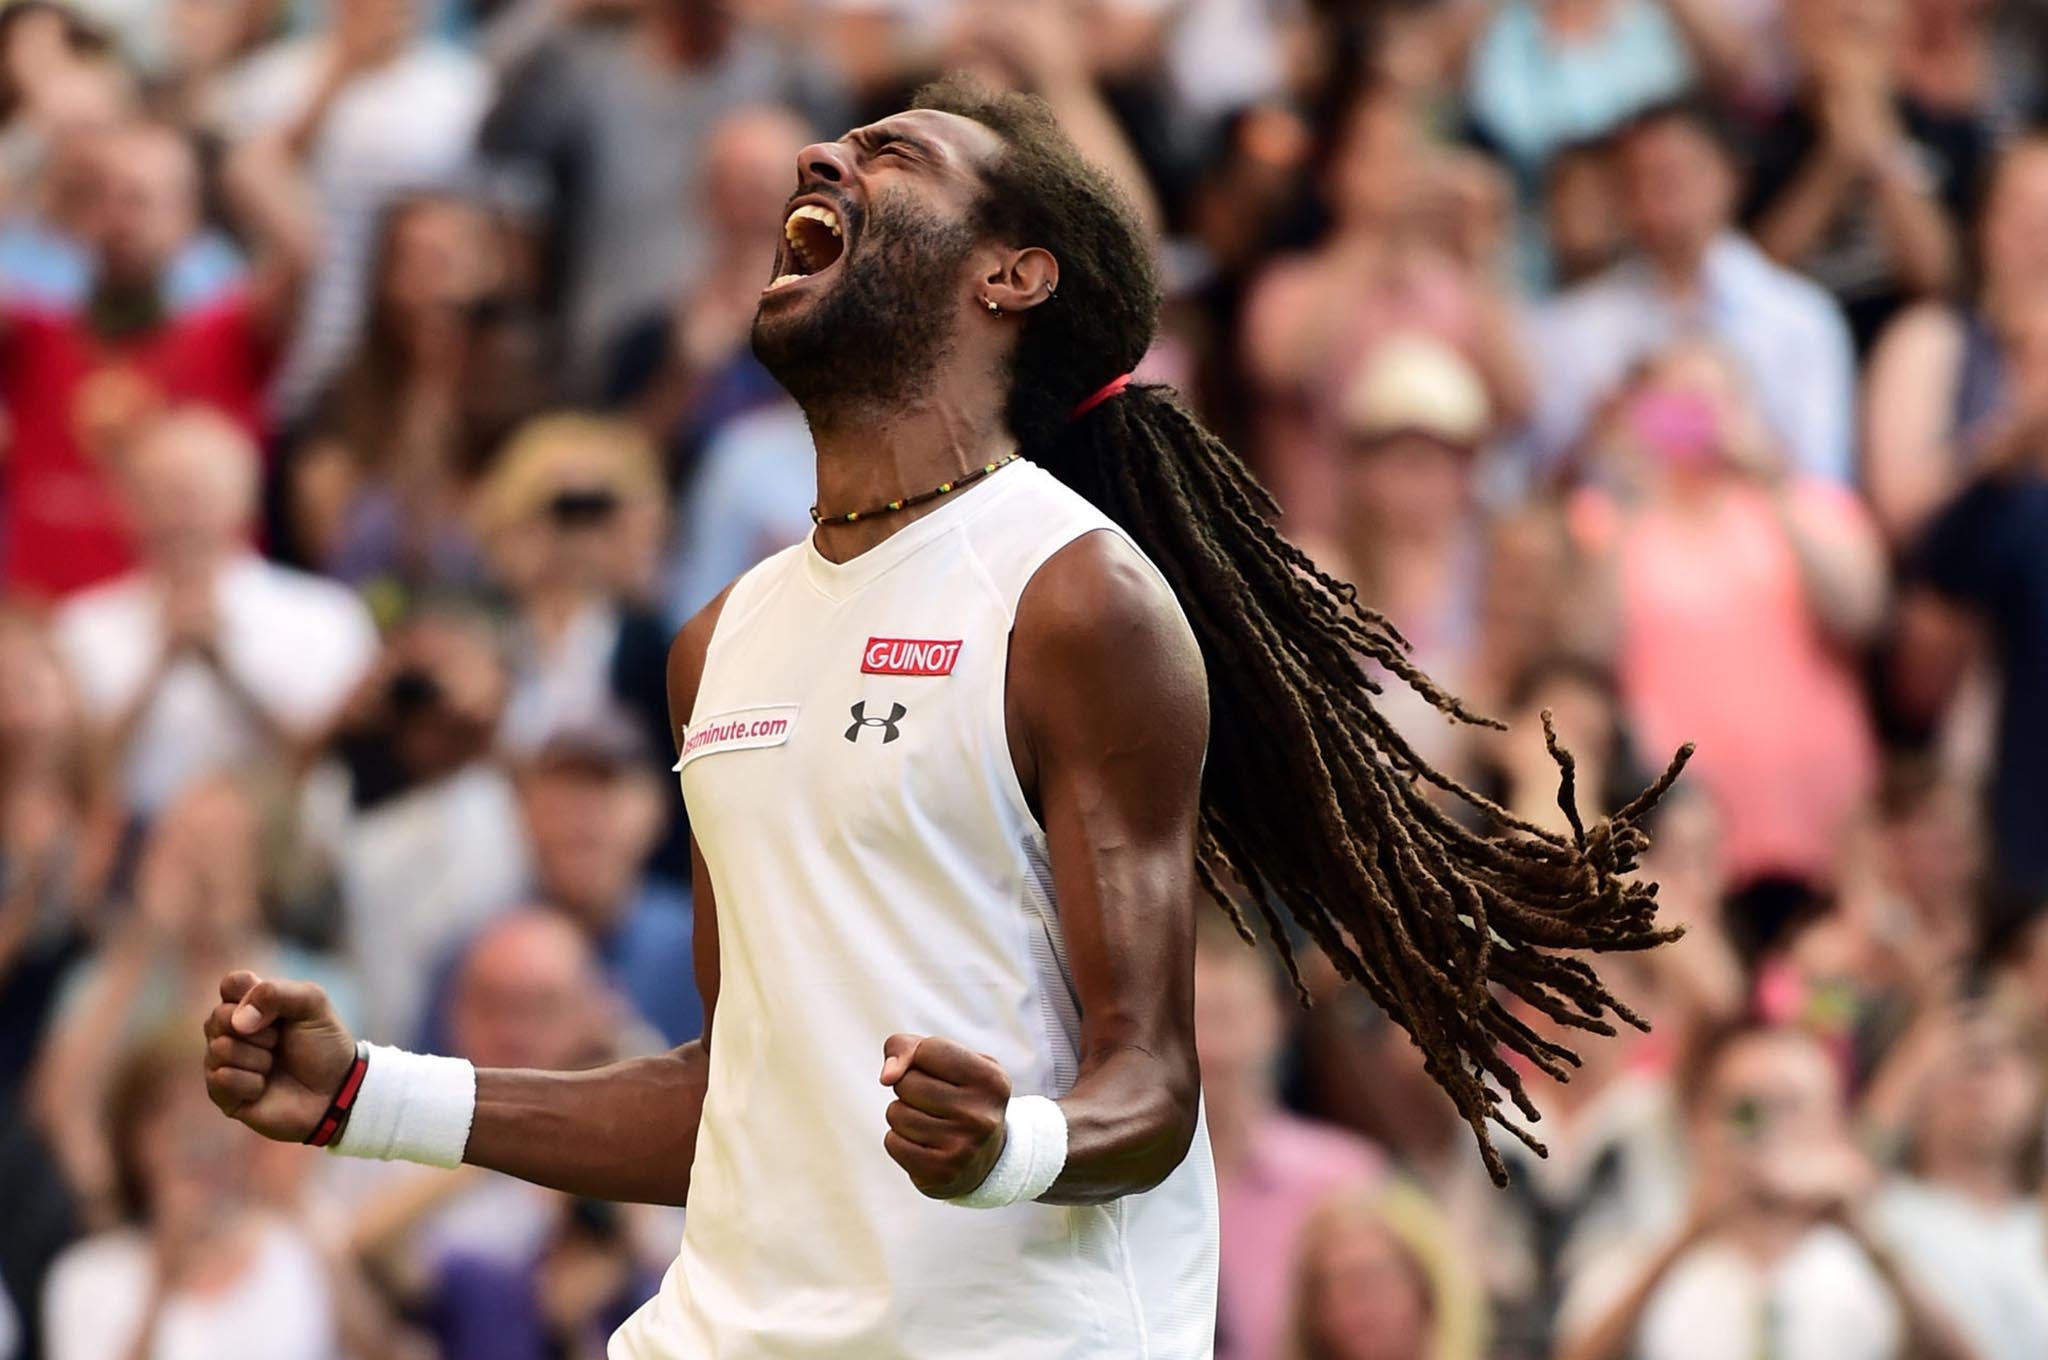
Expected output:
(1100, 646)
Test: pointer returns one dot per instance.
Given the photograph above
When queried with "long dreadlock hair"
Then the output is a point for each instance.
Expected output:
(1321, 807)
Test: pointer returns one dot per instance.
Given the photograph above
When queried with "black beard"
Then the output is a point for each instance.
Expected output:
(877, 336)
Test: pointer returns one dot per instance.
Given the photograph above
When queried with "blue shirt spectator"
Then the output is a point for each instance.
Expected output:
(1692, 274)
(751, 497)
(1533, 90)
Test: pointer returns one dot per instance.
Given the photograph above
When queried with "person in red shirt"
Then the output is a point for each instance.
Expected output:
(79, 384)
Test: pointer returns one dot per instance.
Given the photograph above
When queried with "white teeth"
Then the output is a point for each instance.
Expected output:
(823, 216)
(781, 279)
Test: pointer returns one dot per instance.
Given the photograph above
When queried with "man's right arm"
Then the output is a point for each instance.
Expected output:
(276, 1054)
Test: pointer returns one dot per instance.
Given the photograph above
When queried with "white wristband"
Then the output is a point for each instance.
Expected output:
(1034, 1153)
(412, 1108)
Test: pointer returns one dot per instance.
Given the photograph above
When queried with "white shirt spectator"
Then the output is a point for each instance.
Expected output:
(1986, 1265)
(98, 1293)
(1822, 1300)
(408, 124)
(297, 644)
(1786, 333)
(416, 874)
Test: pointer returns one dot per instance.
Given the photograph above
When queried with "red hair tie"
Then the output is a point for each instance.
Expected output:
(1099, 396)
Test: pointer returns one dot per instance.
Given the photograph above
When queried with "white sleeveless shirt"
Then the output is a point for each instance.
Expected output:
(877, 869)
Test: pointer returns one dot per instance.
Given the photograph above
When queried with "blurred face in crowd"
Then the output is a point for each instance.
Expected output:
(1823, 30)
(439, 257)
(529, 995)
(1691, 418)
(1377, 172)
(863, 307)
(573, 505)
(192, 489)
(149, 201)
(1982, 1101)
(746, 176)
(1932, 848)
(1677, 190)
(1407, 482)
(2015, 223)
(1238, 1026)
(189, 1165)
(1769, 1097)
(1367, 1296)
(591, 827)
(1583, 214)
(201, 869)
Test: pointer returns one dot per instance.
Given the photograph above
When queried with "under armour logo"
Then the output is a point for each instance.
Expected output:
(888, 725)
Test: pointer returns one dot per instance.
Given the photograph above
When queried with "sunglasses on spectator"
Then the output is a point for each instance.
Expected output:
(582, 507)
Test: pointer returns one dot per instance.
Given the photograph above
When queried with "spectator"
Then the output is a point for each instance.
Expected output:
(1737, 592)
(200, 910)
(416, 825)
(1272, 1168)
(570, 519)
(80, 385)
(376, 484)
(683, 369)
(751, 497)
(1980, 561)
(46, 252)
(1408, 535)
(594, 812)
(1965, 1217)
(615, 120)
(1772, 1257)
(371, 107)
(1313, 320)
(1971, 59)
(207, 656)
(198, 1268)
(1546, 73)
(585, 1280)
(56, 837)
(55, 851)
(1858, 181)
(524, 992)
(1693, 273)
(1377, 1277)
(1583, 214)
(1937, 398)
(528, 992)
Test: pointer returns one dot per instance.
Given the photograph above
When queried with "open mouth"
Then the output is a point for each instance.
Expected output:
(813, 241)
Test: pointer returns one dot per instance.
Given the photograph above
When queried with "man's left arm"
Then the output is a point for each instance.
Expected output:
(1108, 718)
(278, 212)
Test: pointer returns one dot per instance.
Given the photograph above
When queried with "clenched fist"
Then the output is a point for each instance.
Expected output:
(946, 1123)
(275, 1054)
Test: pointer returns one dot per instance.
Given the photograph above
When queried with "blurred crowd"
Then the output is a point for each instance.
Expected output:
(377, 400)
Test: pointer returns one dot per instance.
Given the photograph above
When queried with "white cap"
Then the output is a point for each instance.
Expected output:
(1416, 384)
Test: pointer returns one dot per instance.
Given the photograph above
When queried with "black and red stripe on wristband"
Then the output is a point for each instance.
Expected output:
(344, 1099)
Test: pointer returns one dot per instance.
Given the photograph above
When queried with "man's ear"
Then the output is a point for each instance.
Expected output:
(1020, 280)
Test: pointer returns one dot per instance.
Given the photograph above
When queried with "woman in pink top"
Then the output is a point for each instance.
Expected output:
(1411, 248)
(1736, 594)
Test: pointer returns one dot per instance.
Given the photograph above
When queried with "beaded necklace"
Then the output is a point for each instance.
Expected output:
(966, 479)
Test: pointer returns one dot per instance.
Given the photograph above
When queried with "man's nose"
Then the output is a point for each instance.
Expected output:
(823, 160)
